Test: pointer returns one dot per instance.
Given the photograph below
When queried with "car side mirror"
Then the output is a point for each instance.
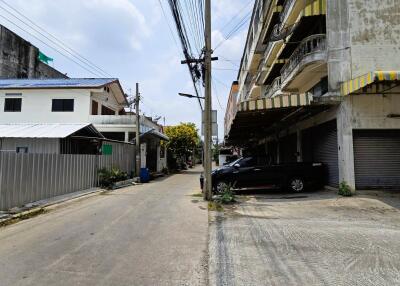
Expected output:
(237, 165)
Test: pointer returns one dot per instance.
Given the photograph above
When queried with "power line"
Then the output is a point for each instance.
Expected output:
(56, 50)
(53, 39)
(236, 28)
(216, 93)
(169, 26)
(186, 41)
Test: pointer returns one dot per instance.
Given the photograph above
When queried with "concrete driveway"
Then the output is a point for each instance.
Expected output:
(152, 234)
(307, 239)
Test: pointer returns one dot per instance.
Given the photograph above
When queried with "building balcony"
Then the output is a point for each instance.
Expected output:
(306, 66)
(274, 89)
(287, 7)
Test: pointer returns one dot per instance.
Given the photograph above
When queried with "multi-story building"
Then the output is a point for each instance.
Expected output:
(319, 81)
(99, 102)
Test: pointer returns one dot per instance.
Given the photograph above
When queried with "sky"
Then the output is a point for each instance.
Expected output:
(132, 40)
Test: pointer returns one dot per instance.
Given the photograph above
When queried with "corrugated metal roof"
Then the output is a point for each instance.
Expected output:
(37, 130)
(55, 83)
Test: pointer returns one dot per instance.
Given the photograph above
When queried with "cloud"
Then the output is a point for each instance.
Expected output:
(107, 23)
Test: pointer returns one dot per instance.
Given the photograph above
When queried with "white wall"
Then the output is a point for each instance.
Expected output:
(36, 106)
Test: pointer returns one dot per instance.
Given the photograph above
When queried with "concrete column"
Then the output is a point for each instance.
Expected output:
(338, 44)
(99, 105)
(299, 146)
(126, 136)
(345, 143)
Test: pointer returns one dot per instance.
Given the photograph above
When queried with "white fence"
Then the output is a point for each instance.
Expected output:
(26, 178)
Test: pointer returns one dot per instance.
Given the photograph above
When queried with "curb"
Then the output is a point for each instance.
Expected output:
(42, 208)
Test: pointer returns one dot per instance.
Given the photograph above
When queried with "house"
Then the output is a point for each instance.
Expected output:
(98, 101)
(320, 81)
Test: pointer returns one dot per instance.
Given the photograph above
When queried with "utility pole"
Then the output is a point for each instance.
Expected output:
(138, 157)
(207, 104)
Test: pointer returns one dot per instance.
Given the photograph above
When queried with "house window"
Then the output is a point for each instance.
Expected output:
(22, 150)
(62, 105)
(12, 104)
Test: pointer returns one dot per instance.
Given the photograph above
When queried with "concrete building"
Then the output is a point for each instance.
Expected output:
(100, 102)
(20, 59)
(319, 81)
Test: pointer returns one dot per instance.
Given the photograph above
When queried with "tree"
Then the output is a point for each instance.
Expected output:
(183, 138)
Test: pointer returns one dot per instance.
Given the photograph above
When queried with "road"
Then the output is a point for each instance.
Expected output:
(152, 234)
(307, 239)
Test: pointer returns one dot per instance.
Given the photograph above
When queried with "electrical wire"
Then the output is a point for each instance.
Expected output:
(53, 39)
(55, 49)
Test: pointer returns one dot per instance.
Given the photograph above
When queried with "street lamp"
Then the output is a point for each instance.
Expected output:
(190, 95)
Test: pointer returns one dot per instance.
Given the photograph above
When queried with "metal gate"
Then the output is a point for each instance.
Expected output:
(320, 144)
(376, 158)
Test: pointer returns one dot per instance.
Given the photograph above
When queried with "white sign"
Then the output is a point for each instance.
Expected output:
(213, 116)
(214, 128)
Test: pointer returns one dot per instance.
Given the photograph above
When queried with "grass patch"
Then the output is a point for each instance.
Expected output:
(345, 190)
(197, 195)
(23, 217)
(215, 206)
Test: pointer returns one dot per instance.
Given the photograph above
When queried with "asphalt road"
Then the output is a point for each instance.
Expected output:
(307, 239)
(152, 234)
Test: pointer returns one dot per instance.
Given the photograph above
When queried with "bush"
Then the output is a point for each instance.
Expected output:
(345, 190)
(227, 196)
(165, 171)
(108, 177)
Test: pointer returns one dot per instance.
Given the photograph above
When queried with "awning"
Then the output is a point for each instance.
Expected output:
(256, 119)
(281, 101)
(153, 133)
(360, 82)
(44, 130)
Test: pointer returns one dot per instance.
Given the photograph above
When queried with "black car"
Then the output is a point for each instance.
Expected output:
(257, 173)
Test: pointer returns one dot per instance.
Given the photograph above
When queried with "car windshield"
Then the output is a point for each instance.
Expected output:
(234, 162)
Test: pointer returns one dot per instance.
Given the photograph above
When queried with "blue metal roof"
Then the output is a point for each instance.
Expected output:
(55, 83)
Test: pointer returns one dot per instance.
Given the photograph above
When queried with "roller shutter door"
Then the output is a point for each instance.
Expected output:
(377, 159)
(320, 144)
(287, 148)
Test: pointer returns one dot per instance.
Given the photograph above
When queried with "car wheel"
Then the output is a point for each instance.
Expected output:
(220, 187)
(296, 185)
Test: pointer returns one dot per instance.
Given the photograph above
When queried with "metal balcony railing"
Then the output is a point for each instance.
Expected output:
(274, 87)
(310, 45)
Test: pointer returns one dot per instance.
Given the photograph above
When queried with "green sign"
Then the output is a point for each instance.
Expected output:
(43, 58)
(107, 149)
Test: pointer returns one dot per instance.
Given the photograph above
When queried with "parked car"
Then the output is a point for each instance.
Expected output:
(256, 173)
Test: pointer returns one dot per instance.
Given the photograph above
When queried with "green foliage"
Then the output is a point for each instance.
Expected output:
(215, 206)
(345, 190)
(183, 139)
(108, 177)
(165, 171)
(227, 196)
